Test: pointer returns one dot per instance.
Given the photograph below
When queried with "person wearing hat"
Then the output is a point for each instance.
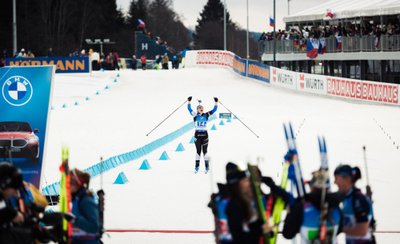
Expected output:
(21, 54)
(243, 221)
(200, 119)
(86, 224)
(357, 208)
(11, 217)
(304, 216)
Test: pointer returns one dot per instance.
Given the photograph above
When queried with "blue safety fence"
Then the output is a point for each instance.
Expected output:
(115, 161)
(239, 65)
(258, 71)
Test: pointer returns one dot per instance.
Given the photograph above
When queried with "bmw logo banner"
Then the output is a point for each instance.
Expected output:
(24, 108)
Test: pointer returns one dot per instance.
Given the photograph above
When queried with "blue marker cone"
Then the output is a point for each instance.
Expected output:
(180, 148)
(145, 165)
(97, 93)
(64, 105)
(164, 156)
(192, 140)
(118, 75)
(115, 80)
(87, 98)
(222, 122)
(76, 103)
(229, 120)
(101, 70)
(214, 127)
(121, 179)
(107, 87)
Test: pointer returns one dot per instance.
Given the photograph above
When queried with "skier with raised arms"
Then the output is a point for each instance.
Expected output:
(201, 136)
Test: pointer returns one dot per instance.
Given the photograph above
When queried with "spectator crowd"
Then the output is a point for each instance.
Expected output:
(299, 36)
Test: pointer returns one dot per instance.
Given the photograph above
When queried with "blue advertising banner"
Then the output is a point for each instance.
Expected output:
(258, 71)
(239, 65)
(24, 108)
(63, 64)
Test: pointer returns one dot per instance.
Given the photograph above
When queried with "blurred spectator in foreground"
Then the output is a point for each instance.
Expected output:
(86, 225)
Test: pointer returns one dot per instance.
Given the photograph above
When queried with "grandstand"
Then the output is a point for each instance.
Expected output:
(361, 40)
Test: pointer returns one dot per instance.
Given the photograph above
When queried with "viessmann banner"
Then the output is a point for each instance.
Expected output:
(63, 64)
(24, 107)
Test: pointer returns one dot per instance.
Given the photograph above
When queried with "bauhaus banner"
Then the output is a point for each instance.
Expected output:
(24, 108)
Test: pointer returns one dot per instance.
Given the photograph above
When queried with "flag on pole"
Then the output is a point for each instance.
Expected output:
(140, 24)
(322, 45)
(338, 41)
(312, 48)
(271, 21)
(329, 14)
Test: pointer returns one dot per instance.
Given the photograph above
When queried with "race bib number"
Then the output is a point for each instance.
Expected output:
(201, 125)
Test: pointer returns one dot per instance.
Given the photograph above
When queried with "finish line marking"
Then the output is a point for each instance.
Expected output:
(161, 231)
(199, 231)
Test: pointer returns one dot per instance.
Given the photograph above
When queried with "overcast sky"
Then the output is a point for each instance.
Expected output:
(259, 11)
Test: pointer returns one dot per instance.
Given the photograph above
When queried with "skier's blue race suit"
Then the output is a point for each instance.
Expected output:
(305, 218)
(201, 135)
(357, 209)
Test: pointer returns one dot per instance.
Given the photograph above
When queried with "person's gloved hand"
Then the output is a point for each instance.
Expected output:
(189, 99)
(290, 154)
(70, 217)
(268, 181)
(216, 99)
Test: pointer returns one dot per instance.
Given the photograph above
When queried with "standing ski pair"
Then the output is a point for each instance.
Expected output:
(309, 212)
(201, 139)
(316, 215)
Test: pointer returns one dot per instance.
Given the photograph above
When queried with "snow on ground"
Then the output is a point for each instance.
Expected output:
(170, 196)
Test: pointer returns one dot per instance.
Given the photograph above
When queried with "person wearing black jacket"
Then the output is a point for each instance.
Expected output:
(243, 221)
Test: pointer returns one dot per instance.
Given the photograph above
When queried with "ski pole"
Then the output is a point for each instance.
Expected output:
(239, 119)
(100, 195)
(166, 118)
(369, 191)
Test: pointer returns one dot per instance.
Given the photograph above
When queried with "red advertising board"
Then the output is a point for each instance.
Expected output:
(215, 58)
(363, 90)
